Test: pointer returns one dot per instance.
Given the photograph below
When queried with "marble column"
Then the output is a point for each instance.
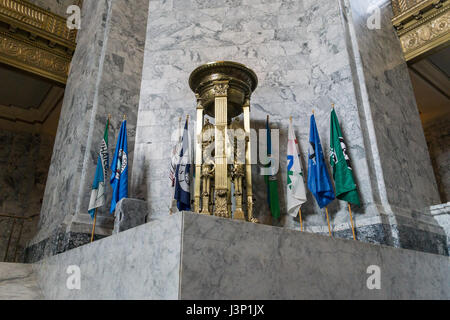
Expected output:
(307, 55)
(104, 79)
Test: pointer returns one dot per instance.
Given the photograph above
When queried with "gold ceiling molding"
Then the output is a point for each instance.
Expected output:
(423, 26)
(35, 40)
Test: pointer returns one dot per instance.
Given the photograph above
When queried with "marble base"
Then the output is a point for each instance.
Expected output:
(130, 213)
(188, 256)
(442, 215)
(58, 242)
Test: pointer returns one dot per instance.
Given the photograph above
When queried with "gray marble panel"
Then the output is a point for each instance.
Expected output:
(225, 259)
(142, 263)
(188, 256)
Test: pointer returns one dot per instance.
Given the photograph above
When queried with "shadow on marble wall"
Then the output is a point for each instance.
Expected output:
(437, 133)
(24, 163)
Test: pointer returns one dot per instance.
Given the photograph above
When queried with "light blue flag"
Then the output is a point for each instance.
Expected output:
(319, 182)
(119, 168)
(98, 193)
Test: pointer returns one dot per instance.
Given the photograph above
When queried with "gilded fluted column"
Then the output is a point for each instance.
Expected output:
(198, 155)
(248, 161)
(221, 172)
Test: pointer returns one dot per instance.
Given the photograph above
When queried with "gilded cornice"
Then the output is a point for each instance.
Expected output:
(422, 26)
(35, 40)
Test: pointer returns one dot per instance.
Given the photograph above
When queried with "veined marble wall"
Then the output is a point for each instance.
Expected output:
(401, 173)
(299, 53)
(307, 55)
(24, 163)
(437, 133)
(104, 79)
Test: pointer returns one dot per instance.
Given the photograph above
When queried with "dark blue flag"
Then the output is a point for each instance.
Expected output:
(319, 182)
(182, 175)
(119, 168)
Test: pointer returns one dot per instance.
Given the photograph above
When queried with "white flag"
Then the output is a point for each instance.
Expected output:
(296, 192)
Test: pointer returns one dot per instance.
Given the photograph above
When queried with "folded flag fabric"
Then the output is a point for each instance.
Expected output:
(119, 168)
(296, 191)
(175, 159)
(98, 194)
(319, 182)
(344, 181)
(271, 180)
(183, 174)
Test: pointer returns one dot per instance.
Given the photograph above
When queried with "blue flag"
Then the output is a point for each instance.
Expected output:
(319, 182)
(182, 175)
(119, 168)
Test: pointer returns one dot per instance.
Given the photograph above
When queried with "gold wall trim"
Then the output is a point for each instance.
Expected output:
(427, 31)
(408, 9)
(31, 18)
(35, 40)
(31, 57)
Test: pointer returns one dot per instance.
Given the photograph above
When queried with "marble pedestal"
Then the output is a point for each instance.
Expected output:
(130, 213)
(188, 256)
(441, 213)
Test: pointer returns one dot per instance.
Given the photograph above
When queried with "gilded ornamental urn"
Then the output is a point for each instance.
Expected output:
(223, 146)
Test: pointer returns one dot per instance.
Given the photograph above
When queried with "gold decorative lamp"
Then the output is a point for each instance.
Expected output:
(223, 90)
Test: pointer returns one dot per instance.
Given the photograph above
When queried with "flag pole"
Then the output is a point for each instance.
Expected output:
(301, 220)
(351, 220)
(328, 220)
(93, 227)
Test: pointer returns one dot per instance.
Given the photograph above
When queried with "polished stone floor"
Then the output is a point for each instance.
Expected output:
(17, 282)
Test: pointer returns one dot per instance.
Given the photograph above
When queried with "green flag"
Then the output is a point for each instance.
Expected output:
(340, 162)
(271, 180)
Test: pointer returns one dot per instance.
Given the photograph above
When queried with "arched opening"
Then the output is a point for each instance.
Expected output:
(430, 77)
(30, 107)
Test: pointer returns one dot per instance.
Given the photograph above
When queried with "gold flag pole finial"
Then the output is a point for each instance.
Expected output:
(109, 116)
(124, 117)
(290, 119)
(332, 105)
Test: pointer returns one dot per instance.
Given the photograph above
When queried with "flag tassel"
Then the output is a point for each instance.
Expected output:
(351, 220)
(93, 227)
(328, 220)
